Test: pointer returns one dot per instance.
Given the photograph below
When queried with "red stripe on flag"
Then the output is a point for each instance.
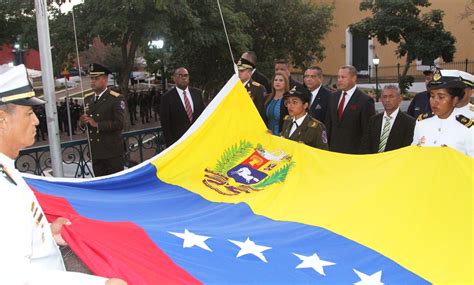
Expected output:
(115, 249)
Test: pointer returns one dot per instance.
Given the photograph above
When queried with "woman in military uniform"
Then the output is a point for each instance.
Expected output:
(299, 125)
(443, 127)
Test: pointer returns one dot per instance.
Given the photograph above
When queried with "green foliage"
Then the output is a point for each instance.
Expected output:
(232, 155)
(200, 45)
(277, 177)
(292, 29)
(419, 36)
(192, 31)
(405, 83)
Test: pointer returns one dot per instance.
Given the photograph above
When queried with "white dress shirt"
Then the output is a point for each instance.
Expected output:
(28, 252)
(314, 93)
(467, 111)
(298, 122)
(392, 116)
(444, 132)
(349, 92)
(181, 96)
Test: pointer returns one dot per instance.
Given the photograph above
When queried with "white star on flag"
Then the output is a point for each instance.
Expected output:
(313, 261)
(191, 239)
(249, 247)
(365, 279)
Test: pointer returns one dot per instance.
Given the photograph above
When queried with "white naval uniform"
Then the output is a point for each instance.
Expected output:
(444, 132)
(28, 252)
(467, 111)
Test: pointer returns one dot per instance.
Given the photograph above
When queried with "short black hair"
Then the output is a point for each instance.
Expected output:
(282, 61)
(456, 92)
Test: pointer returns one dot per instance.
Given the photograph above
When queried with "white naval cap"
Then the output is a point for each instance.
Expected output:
(15, 86)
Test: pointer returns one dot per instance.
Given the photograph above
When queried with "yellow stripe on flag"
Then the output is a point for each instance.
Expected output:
(413, 205)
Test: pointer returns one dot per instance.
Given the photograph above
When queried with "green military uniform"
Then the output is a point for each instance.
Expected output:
(311, 132)
(257, 93)
(106, 140)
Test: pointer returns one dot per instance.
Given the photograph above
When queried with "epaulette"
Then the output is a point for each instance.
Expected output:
(464, 120)
(423, 116)
(88, 94)
(113, 93)
(313, 123)
(6, 175)
(287, 117)
(255, 83)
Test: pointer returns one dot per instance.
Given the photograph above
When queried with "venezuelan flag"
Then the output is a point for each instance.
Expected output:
(231, 204)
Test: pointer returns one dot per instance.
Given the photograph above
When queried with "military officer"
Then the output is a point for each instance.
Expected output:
(254, 89)
(464, 107)
(105, 117)
(29, 251)
(299, 125)
(443, 127)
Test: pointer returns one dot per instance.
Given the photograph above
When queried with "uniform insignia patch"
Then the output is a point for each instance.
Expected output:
(313, 124)
(4, 173)
(423, 116)
(287, 117)
(464, 120)
(122, 105)
(324, 137)
(258, 169)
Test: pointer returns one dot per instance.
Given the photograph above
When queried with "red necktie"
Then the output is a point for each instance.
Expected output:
(340, 109)
(187, 105)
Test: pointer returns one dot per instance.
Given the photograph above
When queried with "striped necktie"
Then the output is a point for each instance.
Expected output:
(187, 105)
(385, 134)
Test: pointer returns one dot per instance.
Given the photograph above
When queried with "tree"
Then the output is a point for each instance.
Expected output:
(419, 36)
(292, 29)
(198, 41)
(124, 24)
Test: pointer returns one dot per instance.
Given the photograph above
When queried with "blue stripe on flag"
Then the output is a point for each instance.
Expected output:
(166, 212)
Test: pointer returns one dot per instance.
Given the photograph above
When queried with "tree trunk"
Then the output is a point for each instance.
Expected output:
(407, 66)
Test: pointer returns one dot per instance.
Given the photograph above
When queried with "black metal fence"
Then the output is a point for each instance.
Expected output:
(139, 146)
(393, 73)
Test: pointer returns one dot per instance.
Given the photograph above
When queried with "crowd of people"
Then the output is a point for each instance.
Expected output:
(345, 120)
(342, 121)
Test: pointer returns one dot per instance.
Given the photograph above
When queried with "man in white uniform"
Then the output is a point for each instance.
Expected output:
(445, 127)
(29, 251)
(464, 107)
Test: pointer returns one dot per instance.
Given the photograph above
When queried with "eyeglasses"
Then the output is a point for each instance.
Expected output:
(183, 75)
(310, 76)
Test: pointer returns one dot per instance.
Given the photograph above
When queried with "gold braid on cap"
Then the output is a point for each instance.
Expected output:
(15, 97)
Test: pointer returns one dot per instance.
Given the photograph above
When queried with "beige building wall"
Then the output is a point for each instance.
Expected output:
(347, 12)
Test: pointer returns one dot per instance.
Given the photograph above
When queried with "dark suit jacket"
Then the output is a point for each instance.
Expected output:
(401, 134)
(319, 107)
(109, 113)
(173, 117)
(292, 82)
(346, 135)
(262, 79)
(420, 104)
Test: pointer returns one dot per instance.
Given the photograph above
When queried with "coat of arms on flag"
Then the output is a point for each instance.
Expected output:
(244, 168)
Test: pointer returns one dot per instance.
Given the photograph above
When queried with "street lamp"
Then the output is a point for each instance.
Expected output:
(159, 44)
(376, 62)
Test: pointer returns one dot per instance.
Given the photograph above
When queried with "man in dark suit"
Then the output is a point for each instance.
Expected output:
(313, 80)
(257, 76)
(391, 129)
(105, 119)
(421, 102)
(255, 90)
(180, 107)
(348, 113)
(283, 66)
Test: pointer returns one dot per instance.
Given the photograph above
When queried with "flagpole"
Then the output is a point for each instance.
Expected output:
(44, 44)
(227, 37)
